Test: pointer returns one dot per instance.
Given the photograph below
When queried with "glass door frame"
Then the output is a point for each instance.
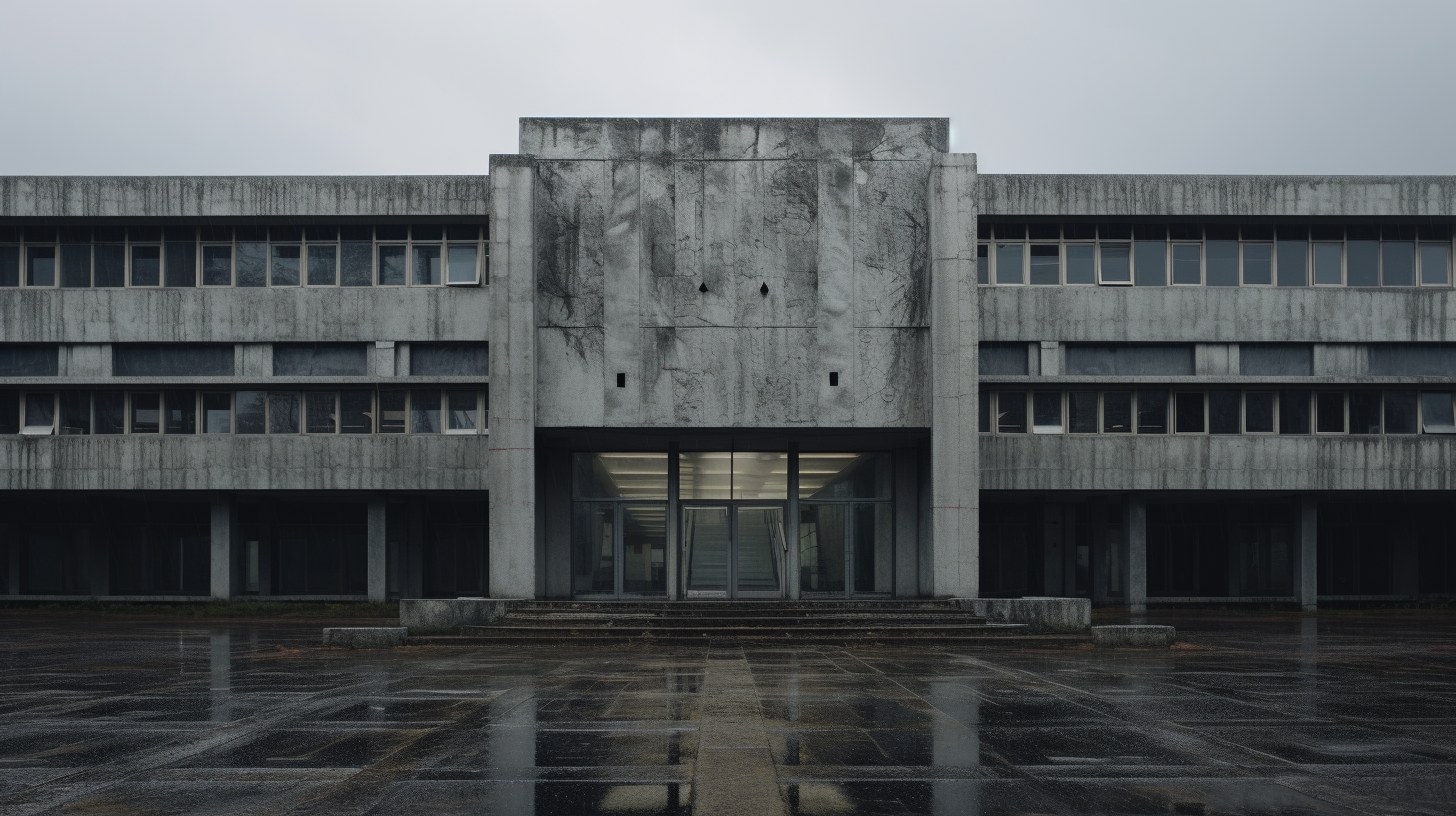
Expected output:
(619, 552)
(731, 590)
(851, 556)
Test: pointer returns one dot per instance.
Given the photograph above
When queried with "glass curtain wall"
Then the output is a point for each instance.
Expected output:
(845, 524)
(619, 524)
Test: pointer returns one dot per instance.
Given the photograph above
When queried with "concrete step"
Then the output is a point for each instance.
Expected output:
(994, 636)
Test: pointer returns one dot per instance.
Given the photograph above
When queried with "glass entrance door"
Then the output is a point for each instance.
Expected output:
(733, 550)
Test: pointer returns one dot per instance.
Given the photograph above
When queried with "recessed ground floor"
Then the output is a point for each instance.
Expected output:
(1342, 713)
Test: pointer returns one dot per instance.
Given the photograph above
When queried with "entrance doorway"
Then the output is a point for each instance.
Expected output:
(733, 550)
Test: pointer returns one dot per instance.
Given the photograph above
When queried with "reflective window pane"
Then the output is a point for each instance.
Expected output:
(217, 413)
(392, 266)
(75, 413)
(644, 549)
(251, 412)
(983, 263)
(823, 546)
(1258, 264)
(1011, 412)
(1046, 412)
(462, 410)
(217, 266)
(323, 265)
(1436, 413)
(9, 266)
(427, 265)
(1187, 264)
(1294, 412)
(1082, 412)
(1188, 408)
(1223, 263)
(1293, 263)
(181, 266)
(40, 414)
(1009, 262)
(1223, 412)
(252, 266)
(1329, 412)
(463, 267)
(392, 413)
(1150, 262)
(829, 476)
(1081, 263)
(76, 265)
(425, 411)
(283, 412)
(1364, 412)
(1362, 263)
(181, 412)
(1400, 411)
(593, 547)
(319, 412)
(1397, 264)
(1434, 265)
(1046, 264)
(705, 475)
(286, 265)
(110, 407)
(1328, 262)
(356, 263)
(40, 266)
(983, 412)
(1117, 412)
(1152, 411)
(621, 475)
(1116, 263)
(1259, 412)
(874, 567)
(146, 413)
(760, 475)
(356, 412)
(109, 265)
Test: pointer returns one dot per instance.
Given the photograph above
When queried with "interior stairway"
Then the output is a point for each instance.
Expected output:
(700, 622)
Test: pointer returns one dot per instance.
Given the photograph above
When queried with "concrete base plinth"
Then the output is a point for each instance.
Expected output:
(445, 614)
(365, 637)
(1039, 614)
(1134, 637)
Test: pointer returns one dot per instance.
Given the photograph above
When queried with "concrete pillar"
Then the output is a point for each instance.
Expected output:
(222, 548)
(954, 334)
(1136, 564)
(511, 331)
(1306, 562)
(378, 552)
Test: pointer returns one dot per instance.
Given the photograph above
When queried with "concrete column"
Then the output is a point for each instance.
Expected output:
(1306, 562)
(378, 552)
(222, 548)
(511, 330)
(1136, 564)
(954, 335)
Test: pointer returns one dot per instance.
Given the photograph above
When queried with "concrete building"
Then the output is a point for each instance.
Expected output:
(728, 358)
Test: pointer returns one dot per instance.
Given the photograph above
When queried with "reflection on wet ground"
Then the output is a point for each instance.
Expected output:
(1252, 714)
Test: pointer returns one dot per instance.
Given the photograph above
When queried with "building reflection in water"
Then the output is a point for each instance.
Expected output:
(220, 675)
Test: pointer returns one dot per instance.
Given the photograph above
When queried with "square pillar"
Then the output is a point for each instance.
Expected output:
(377, 568)
(1306, 562)
(955, 554)
(222, 548)
(1136, 565)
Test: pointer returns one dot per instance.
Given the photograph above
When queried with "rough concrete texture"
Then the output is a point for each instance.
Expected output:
(1216, 314)
(336, 314)
(1186, 462)
(435, 614)
(246, 462)
(1260, 196)
(1039, 614)
(1135, 636)
(365, 637)
(734, 139)
(727, 285)
(241, 196)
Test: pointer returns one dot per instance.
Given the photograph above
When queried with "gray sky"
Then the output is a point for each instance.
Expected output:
(435, 86)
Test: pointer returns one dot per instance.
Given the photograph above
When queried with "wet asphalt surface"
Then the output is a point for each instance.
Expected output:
(1272, 714)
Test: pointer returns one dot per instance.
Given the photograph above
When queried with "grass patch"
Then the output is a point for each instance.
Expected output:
(218, 609)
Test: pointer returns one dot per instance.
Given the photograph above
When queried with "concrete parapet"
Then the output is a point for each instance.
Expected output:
(1135, 637)
(440, 614)
(365, 637)
(1039, 614)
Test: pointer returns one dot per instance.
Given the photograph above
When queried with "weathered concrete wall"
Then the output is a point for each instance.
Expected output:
(424, 615)
(1284, 463)
(215, 462)
(726, 267)
(512, 333)
(334, 314)
(1199, 314)
(1039, 614)
(1212, 196)
(242, 196)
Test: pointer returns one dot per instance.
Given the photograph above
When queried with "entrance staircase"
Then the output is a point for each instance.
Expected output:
(928, 623)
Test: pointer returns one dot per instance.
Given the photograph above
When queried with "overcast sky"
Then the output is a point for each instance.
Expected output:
(435, 86)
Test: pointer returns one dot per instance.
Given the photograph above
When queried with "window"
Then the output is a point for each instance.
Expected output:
(321, 412)
(1046, 412)
(251, 412)
(1223, 412)
(1223, 263)
(1150, 262)
(1437, 416)
(1329, 261)
(110, 412)
(392, 415)
(181, 412)
(1364, 412)
(1435, 264)
(1188, 412)
(146, 413)
(1152, 411)
(424, 412)
(1397, 263)
(1115, 267)
(323, 264)
(181, 266)
(40, 414)
(452, 359)
(217, 413)
(1294, 412)
(286, 265)
(9, 265)
(217, 265)
(1129, 360)
(320, 360)
(1082, 412)
(463, 411)
(75, 418)
(283, 412)
(1400, 411)
(1293, 259)
(1259, 412)
(9, 411)
(1276, 359)
(1362, 263)
(1412, 360)
(1117, 412)
(983, 263)
(983, 416)
(1187, 264)
(1002, 358)
(1329, 412)
(1081, 264)
(1258, 264)
(18, 360)
(356, 412)
(1011, 412)
(1046, 264)
(1009, 260)
(146, 265)
(172, 360)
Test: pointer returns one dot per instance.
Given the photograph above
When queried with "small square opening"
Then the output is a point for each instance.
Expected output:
(621, 380)
(834, 379)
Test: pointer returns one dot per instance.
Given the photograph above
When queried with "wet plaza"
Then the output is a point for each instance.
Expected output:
(1259, 714)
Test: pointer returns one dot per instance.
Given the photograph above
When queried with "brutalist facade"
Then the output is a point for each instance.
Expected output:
(728, 358)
